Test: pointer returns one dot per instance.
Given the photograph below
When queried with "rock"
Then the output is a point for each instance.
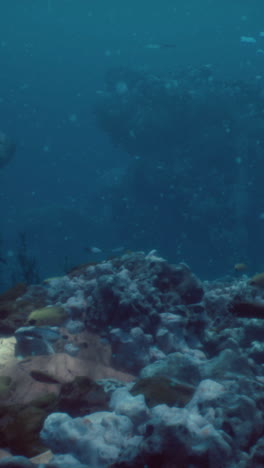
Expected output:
(4, 453)
(256, 352)
(253, 331)
(174, 322)
(76, 305)
(185, 282)
(82, 396)
(256, 459)
(36, 340)
(166, 341)
(170, 336)
(64, 461)
(44, 395)
(25, 387)
(239, 417)
(134, 407)
(185, 437)
(227, 363)
(14, 309)
(126, 292)
(19, 428)
(178, 366)
(5, 386)
(110, 385)
(74, 326)
(7, 350)
(43, 457)
(90, 346)
(131, 350)
(71, 349)
(229, 411)
(207, 392)
(37, 375)
(16, 462)
(96, 439)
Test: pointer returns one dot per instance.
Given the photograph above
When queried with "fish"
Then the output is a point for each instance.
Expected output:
(94, 250)
(43, 377)
(97, 250)
(240, 267)
(257, 280)
(168, 46)
(160, 46)
(3, 260)
(118, 249)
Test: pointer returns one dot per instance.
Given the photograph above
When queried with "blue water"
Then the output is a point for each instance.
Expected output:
(53, 57)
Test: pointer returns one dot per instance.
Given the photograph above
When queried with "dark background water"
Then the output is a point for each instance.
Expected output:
(53, 58)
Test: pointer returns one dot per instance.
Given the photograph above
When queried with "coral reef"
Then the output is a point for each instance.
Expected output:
(149, 366)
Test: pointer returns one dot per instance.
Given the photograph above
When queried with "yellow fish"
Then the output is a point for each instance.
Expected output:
(240, 267)
(257, 280)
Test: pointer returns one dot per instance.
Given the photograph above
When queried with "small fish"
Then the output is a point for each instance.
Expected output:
(152, 46)
(248, 39)
(160, 46)
(97, 250)
(94, 250)
(43, 377)
(257, 280)
(240, 267)
(168, 46)
(118, 249)
(3, 260)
